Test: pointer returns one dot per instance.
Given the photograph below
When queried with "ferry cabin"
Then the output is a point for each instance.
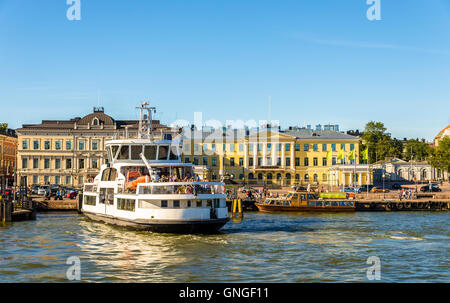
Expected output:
(126, 193)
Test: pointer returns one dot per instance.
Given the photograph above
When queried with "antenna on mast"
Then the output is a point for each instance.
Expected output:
(145, 129)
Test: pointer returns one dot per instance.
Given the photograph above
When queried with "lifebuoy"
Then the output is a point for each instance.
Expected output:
(408, 205)
(400, 205)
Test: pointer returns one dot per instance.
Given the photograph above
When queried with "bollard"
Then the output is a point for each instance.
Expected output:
(237, 214)
(80, 202)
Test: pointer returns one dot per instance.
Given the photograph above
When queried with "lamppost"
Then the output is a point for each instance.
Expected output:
(383, 176)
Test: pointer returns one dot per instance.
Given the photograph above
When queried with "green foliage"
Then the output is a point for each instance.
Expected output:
(420, 150)
(440, 156)
(380, 144)
(3, 127)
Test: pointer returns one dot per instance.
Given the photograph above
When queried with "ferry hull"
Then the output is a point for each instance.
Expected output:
(163, 226)
(279, 208)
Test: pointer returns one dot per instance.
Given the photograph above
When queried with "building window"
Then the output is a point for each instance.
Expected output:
(95, 145)
(205, 148)
(342, 146)
(279, 147)
(259, 161)
(241, 148)
(46, 163)
(297, 161)
(68, 145)
(35, 163)
(324, 161)
(288, 147)
(297, 147)
(195, 160)
(94, 163)
(24, 162)
(47, 145)
(260, 147)
(352, 146)
(205, 161)
(333, 147)
(81, 163)
(214, 161)
(288, 161)
(232, 149)
(306, 160)
(195, 148)
(241, 162)
(46, 180)
(306, 147)
(57, 163)
(68, 163)
(187, 159)
(68, 180)
(250, 147)
(278, 161)
(213, 147)
(324, 147)
(25, 144)
(35, 179)
(36, 144)
(250, 161)
(315, 147)
(57, 180)
(81, 145)
(269, 146)
(80, 180)
(316, 178)
(334, 160)
(231, 161)
(315, 162)
(58, 145)
(95, 122)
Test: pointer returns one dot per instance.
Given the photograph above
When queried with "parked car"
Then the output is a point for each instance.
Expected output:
(42, 189)
(379, 190)
(434, 188)
(396, 186)
(72, 195)
(364, 187)
(35, 189)
(351, 190)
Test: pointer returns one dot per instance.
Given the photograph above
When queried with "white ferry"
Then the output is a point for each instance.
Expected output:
(145, 186)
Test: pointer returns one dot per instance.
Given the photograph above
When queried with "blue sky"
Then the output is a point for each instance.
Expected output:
(320, 61)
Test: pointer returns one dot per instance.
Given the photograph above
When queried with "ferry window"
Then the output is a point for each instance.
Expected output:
(327, 203)
(163, 152)
(295, 197)
(126, 204)
(176, 204)
(163, 203)
(319, 203)
(341, 203)
(311, 203)
(90, 200)
(173, 153)
(334, 203)
(209, 203)
(110, 196)
(150, 152)
(124, 153)
(199, 203)
(303, 197)
(114, 149)
(290, 195)
(109, 174)
(136, 150)
(216, 203)
(189, 203)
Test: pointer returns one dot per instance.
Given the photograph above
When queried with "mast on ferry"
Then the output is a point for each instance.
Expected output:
(145, 130)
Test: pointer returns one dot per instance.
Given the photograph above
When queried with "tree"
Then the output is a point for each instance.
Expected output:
(420, 150)
(3, 127)
(380, 143)
(440, 156)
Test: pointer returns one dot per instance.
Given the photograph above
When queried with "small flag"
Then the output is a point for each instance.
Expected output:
(340, 155)
(329, 156)
(365, 154)
(352, 155)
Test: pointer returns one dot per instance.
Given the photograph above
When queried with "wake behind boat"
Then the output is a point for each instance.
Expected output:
(145, 186)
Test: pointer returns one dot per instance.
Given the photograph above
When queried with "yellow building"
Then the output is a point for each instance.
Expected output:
(8, 147)
(70, 152)
(290, 157)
